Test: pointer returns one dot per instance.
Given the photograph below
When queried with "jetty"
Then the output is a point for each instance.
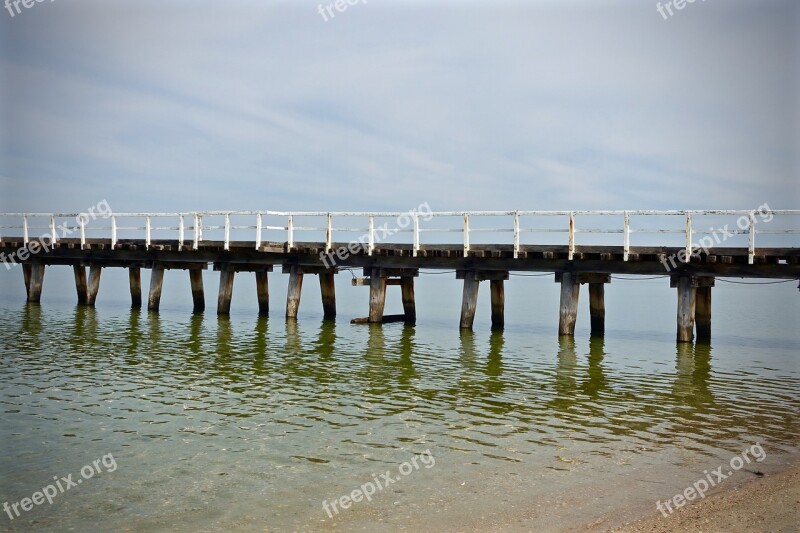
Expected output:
(390, 249)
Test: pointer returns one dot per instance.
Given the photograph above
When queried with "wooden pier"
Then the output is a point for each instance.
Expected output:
(692, 270)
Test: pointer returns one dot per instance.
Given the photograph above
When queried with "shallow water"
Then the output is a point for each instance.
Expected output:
(249, 424)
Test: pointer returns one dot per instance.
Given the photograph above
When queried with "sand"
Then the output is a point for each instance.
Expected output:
(770, 503)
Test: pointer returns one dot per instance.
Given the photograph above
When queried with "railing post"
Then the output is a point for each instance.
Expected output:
(53, 235)
(751, 245)
(227, 231)
(688, 237)
(371, 246)
(258, 231)
(329, 234)
(516, 234)
(416, 234)
(466, 234)
(180, 231)
(571, 248)
(113, 231)
(147, 232)
(196, 232)
(290, 229)
(83, 231)
(626, 246)
(25, 229)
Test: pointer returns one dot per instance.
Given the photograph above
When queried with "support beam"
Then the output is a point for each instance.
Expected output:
(198, 293)
(597, 309)
(35, 283)
(498, 303)
(94, 284)
(568, 308)
(293, 293)
(703, 313)
(686, 307)
(156, 283)
(377, 296)
(26, 274)
(135, 280)
(409, 303)
(226, 275)
(469, 300)
(328, 290)
(262, 292)
(80, 283)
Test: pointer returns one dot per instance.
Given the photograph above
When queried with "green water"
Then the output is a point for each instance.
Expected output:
(249, 424)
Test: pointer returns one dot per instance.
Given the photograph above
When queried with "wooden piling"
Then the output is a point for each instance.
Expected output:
(156, 283)
(597, 309)
(36, 274)
(94, 284)
(80, 283)
(262, 292)
(377, 296)
(498, 303)
(568, 308)
(703, 312)
(135, 281)
(328, 290)
(686, 308)
(293, 292)
(26, 274)
(226, 275)
(469, 300)
(409, 303)
(198, 293)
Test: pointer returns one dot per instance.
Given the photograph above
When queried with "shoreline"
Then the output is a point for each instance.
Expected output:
(769, 503)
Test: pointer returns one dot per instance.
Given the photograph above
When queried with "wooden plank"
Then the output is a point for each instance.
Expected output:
(135, 282)
(94, 284)
(198, 293)
(81, 288)
(156, 284)
(328, 291)
(686, 309)
(568, 307)
(387, 319)
(469, 300)
(498, 303)
(262, 292)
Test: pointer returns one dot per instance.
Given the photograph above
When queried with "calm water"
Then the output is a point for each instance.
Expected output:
(249, 424)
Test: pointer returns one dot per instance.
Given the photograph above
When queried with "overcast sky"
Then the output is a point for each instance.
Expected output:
(168, 106)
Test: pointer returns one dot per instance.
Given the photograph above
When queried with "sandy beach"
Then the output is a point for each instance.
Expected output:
(770, 503)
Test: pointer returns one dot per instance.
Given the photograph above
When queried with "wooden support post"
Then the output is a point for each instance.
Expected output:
(409, 304)
(568, 309)
(94, 284)
(686, 307)
(293, 293)
(469, 299)
(377, 296)
(328, 290)
(198, 294)
(597, 309)
(226, 275)
(80, 283)
(135, 279)
(156, 283)
(35, 283)
(703, 313)
(498, 303)
(262, 292)
(26, 274)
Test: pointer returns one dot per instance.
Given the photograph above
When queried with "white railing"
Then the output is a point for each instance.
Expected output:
(74, 222)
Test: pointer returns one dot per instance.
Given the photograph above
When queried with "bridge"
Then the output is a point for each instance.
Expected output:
(390, 248)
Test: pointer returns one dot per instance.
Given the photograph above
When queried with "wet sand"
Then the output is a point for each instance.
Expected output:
(771, 503)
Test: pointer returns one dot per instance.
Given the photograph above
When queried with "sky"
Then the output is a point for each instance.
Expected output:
(468, 105)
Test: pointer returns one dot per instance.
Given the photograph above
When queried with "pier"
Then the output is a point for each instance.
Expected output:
(258, 241)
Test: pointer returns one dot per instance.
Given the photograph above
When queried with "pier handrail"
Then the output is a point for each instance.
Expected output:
(196, 226)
